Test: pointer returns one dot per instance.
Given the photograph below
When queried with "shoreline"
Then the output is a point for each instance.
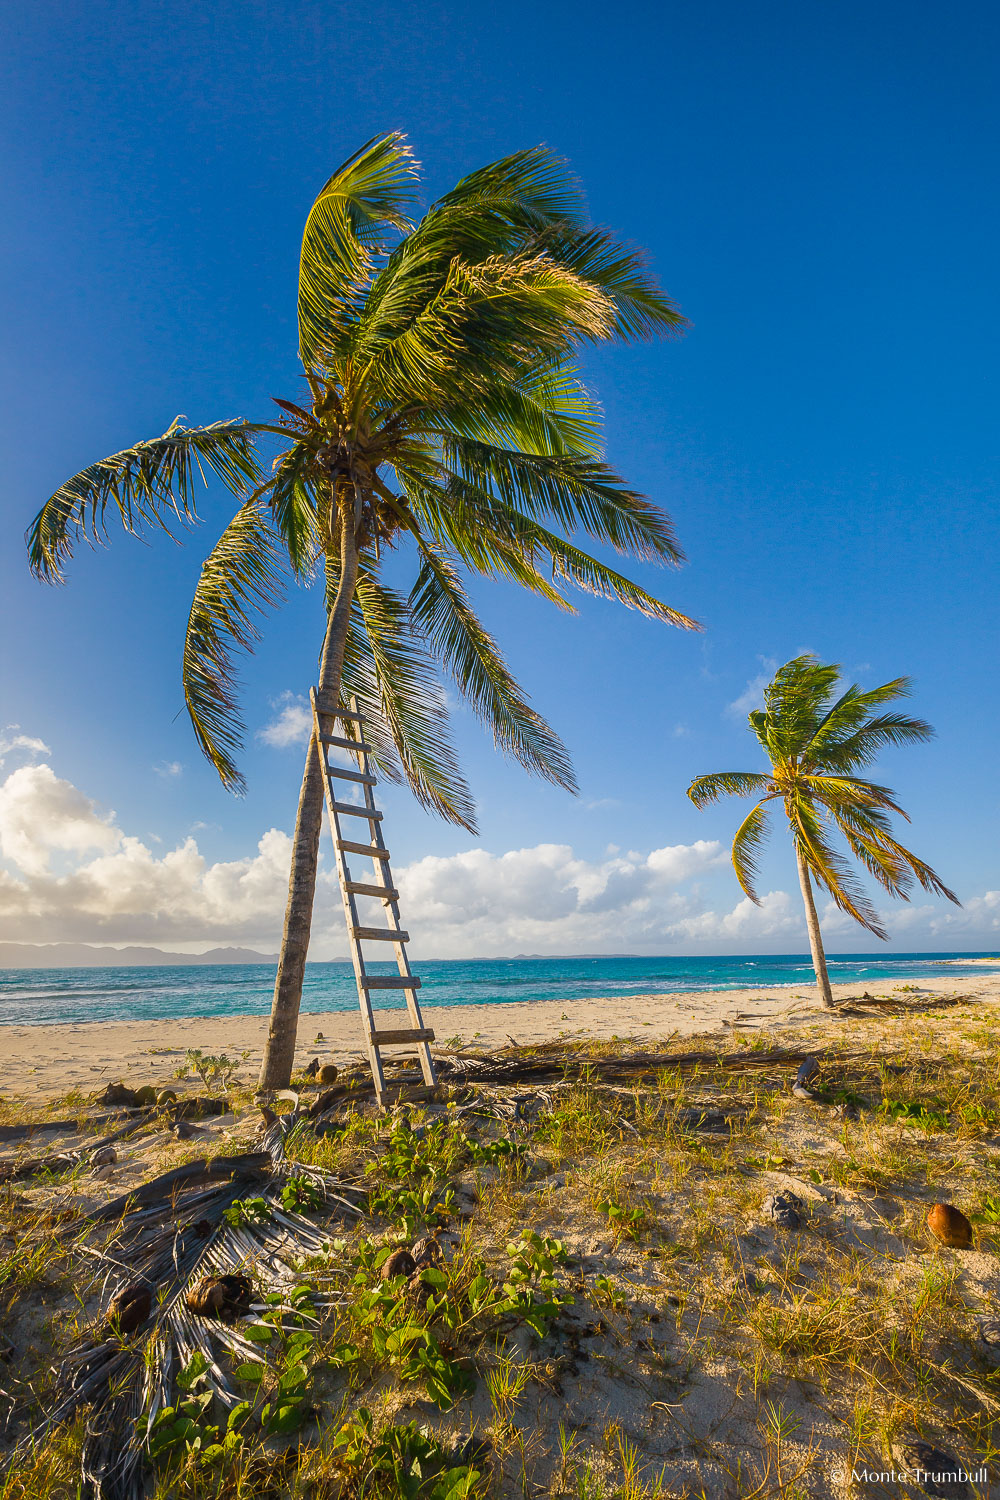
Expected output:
(53, 1059)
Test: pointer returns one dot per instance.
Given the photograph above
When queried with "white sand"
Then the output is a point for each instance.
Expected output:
(49, 1061)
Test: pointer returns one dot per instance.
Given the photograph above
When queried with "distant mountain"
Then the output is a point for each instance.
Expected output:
(575, 955)
(86, 956)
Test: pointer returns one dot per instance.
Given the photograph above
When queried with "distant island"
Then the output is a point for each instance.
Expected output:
(85, 955)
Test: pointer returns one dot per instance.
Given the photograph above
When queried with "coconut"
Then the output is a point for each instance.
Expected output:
(225, 1296)
(327, 1073)
(400, 1263)
(129, 1308)
(166, 1096)
(948, 1224)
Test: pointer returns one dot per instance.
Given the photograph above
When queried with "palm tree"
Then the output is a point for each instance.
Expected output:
(443, 414)
(816, 744)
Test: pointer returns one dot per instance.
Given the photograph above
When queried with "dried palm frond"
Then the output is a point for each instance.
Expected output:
(163, 1239)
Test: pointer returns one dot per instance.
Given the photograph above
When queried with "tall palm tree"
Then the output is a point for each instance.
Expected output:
(816, 744)
(442, 414)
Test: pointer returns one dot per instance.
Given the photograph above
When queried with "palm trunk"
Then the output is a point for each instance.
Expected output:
(279, 1050)
(815, 936)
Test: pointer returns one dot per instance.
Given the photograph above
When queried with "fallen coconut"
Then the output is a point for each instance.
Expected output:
(400, 1263)
(116, 1094)
(165, 1097)
(129, 1308)
(225, 1296)
(146, 1095)
(328, 1073)
(949, 1225)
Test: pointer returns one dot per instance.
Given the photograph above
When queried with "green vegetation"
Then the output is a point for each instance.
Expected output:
(561, 1298)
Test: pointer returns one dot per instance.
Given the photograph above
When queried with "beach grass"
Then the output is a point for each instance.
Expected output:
(617, 1314)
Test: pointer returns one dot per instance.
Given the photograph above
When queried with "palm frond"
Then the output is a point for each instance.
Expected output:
(152, 484)
(344, 234)
(577, 492)
(849, 751)
(548, 412)
(398, 689)
(489, 321)
(829, 869)
(294, 508)
(794, 702)
(642, 311)
(747, 844)
(240, 577)
(441, 611)
(707, 789)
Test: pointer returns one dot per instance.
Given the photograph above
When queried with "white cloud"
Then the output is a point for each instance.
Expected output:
(293, 724)
(74, 874)
(169, 769)
(10, 741)
(753, 694)
(40, 814)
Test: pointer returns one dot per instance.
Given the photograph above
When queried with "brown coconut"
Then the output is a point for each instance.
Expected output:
(327, 1073)
(225, 1296)
(129, 1308)
(400, 1263)
(949, 1225)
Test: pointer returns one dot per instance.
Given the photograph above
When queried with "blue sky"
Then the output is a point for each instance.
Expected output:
(816, 188)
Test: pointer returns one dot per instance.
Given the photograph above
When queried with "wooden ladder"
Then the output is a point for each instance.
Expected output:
(325, 723)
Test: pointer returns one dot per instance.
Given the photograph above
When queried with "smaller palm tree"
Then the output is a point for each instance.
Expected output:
(816, 744)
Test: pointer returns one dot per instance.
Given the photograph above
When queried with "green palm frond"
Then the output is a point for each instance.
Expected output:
(860, 748)
(486, 324)
(574, 566)
(294, 507)
(707, 789)
(747, 844)
(241, 576)
(579, 493)
(410, 701)
(548, 412)
(641, 310)
(794, 700)
(852, 709)
(152, 484)
(441, 611)
(850, 791)
(830, 869)
(344, 235)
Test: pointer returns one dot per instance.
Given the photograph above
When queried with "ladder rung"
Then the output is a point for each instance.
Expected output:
(400, 1038)
(357, 745)
(339, 713)
(347, 847)
(351, 776)
(354, 811)
(359, 888)
(380, 934)
(389, 982)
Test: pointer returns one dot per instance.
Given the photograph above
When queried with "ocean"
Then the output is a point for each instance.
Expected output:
(39, 997)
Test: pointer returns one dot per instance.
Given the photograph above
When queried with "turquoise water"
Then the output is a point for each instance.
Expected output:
(38, 997)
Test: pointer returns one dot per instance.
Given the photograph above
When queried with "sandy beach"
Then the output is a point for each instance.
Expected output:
(41, 1062)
